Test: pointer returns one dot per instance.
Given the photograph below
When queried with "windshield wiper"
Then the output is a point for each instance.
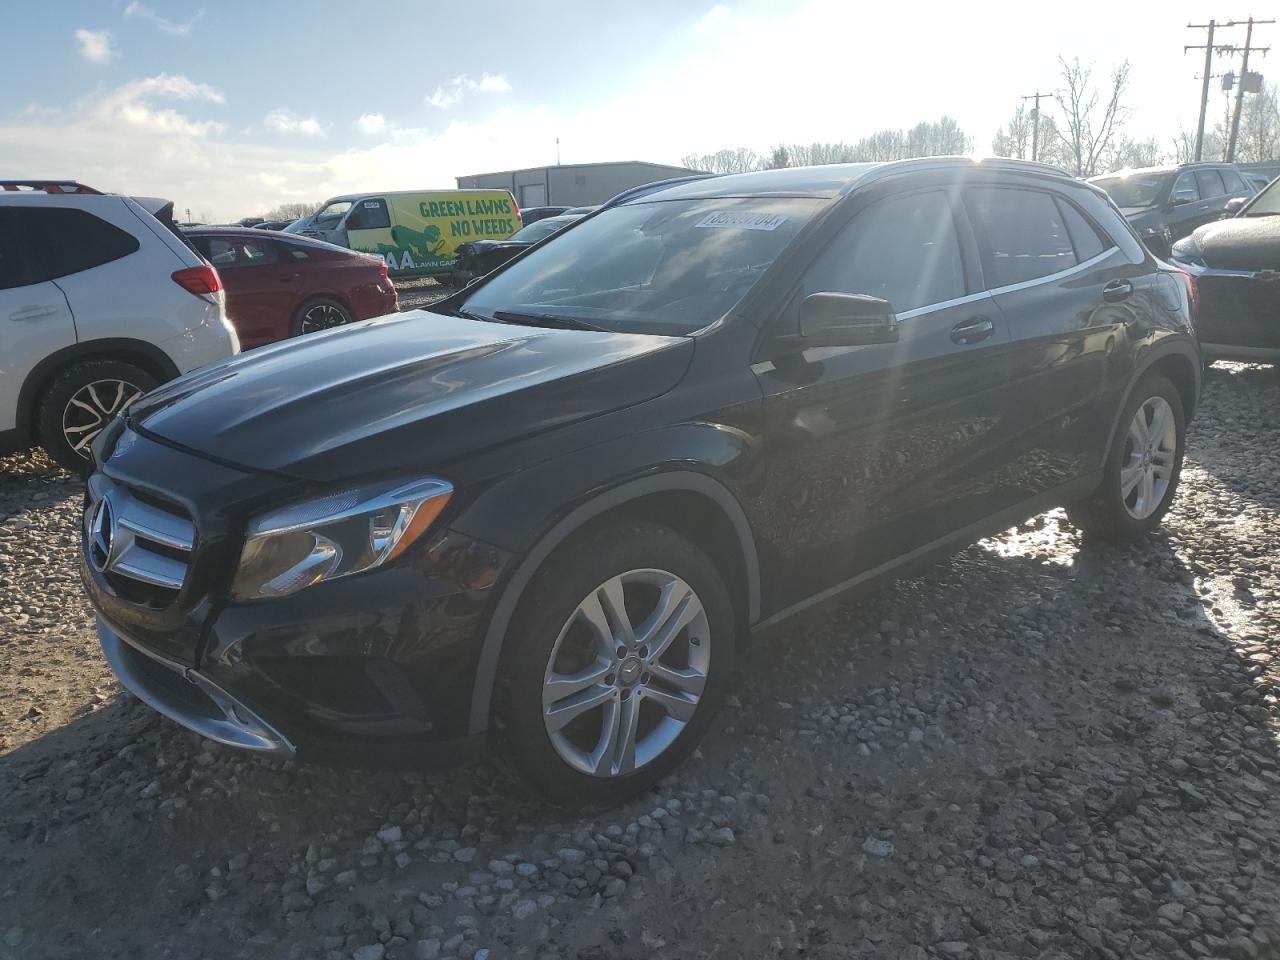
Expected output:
(544, 320)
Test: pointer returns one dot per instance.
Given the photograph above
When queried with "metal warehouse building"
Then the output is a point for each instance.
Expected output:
(573, 184)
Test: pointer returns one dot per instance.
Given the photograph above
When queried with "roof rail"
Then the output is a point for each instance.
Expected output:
(47, 186)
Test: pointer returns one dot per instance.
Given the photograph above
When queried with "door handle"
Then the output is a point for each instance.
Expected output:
(973, 330)
(32, 313)
(1117, 290)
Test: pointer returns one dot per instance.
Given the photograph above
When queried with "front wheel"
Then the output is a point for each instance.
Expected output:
(615, 662)
(1142, 468)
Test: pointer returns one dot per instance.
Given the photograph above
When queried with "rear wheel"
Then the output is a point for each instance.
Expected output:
(320, 314)
(80, 401)
(1142, 469)
(616, 661)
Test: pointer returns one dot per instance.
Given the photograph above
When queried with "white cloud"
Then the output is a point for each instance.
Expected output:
(449, 94)
(143, 12)
(95, 45)
(371, 123)
(286, 121)
(132, 104)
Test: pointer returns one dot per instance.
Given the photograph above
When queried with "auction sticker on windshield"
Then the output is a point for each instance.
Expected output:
(741, 220)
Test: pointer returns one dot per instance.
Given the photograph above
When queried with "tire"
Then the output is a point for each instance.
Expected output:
(80, 401)
(551, 635)
(319, 313)
(1113, 514)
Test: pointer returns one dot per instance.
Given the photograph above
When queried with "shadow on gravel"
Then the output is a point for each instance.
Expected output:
(1095, 765)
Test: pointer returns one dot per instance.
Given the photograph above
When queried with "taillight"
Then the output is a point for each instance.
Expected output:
(1193, 293)
(203, 280)
(382, 270)
(517, 206)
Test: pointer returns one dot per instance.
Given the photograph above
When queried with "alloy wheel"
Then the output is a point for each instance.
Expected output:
(91, 408)
(1149, 454)
(626, 673)
(322, 316)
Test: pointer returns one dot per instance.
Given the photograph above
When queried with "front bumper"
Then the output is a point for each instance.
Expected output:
(188, 697)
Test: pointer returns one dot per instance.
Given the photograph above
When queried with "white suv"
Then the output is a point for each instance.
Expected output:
(99, 302)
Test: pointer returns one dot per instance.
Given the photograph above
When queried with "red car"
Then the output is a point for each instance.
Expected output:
(280, 285)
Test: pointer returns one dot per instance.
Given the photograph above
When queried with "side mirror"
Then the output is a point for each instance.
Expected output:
(846, 320)
(1234, 206)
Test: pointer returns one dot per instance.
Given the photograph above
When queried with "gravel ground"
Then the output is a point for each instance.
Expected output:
(1041, 749)
(419, 293)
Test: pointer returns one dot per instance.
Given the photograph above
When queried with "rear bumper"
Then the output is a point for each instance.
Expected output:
(189, 698)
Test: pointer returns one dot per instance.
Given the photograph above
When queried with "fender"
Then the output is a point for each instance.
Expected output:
(495, 633)
(147, 355)
(1179, 346)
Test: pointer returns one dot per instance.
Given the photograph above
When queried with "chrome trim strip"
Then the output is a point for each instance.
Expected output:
(165, 528)
(943, 305)
(237, 727)
(139, 563)
(1054, 277)
(1197, 270)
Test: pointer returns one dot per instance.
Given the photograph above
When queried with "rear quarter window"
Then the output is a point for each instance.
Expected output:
(67, 241)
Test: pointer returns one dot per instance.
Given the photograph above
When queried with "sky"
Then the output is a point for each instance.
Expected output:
(229, 108)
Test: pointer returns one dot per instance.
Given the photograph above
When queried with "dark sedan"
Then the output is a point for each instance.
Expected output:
(478, 257)
(530, 215)
(1235, 264)
(280, 285)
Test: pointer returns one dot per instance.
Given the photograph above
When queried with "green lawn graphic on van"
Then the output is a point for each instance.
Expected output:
(426, 228)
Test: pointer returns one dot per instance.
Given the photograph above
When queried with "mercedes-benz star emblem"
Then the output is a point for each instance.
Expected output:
(100, 531)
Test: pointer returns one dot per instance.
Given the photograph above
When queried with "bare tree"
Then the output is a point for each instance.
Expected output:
(778, 158)
(1259, 137)
(942, 138)
(291, 211)
(1090, 119)
(1128, 153)
(1015, 139)
(736, 160)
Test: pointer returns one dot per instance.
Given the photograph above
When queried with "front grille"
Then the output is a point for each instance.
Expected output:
(141, 543)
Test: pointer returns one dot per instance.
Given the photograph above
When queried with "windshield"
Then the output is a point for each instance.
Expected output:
(668, 267)
(539, 229)
(1267, 203)
(1138, 190)
(331, 213)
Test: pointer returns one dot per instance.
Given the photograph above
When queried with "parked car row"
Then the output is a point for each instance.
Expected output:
(544, 513)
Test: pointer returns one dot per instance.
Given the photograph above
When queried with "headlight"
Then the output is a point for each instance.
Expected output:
(335, 536)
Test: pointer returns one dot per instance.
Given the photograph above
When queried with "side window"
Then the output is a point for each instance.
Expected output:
(1234, 184)
(13, 265)
(1185, 189)
(1210, 184)
(369, 215)
(232, 252)
(902, 249)
(75, 240)
(1026, 238)
(1084, 238)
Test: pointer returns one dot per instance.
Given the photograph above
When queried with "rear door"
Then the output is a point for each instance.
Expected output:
(878, 450)
(35, 320)
(262, 284)
(1075, 304)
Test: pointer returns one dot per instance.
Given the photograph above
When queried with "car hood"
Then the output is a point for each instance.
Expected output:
(1241, 243)
(415, 389)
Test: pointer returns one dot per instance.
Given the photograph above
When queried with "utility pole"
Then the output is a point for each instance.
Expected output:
(1244, 79)
(1204, 91)
(557, 151)
(1035, 122)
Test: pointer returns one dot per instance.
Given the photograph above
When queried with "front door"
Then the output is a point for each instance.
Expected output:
(875, 451)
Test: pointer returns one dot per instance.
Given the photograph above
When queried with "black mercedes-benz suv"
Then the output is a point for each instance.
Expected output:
(546, 512)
